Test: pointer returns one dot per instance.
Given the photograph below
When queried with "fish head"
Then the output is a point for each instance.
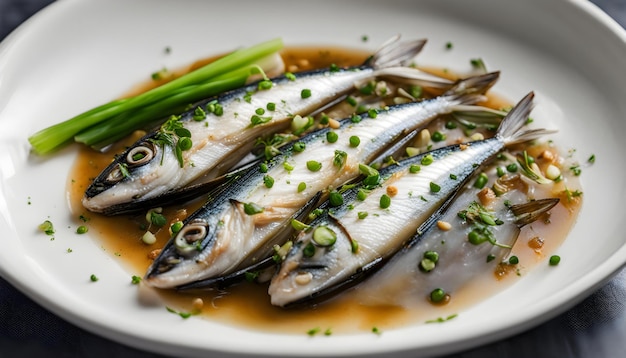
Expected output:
(310, 269)
(181, 261)
(212, 243)
(136, 174)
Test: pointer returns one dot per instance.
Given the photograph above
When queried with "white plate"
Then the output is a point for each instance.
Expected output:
(78, 54)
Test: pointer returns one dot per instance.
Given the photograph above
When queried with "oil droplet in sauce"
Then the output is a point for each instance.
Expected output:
(247, 305)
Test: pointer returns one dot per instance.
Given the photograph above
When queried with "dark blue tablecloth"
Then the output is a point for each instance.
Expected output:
(594, 328)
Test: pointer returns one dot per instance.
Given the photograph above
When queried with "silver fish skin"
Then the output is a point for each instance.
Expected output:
(311, 270)
(147, 170)
(411, 274)
(232, 240)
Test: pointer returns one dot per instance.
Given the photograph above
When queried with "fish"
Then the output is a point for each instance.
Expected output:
(240, 226)
(215, 134)
(377, 217)
(464, 239)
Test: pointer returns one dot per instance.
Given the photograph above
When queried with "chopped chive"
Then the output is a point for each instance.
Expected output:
(268, 181)
(340, 158)
(438, 136)
(298, 225)
(427, 159)
(351, 101)
(299, 147)
(313, 165)
(252, 208)
(481, 181)
(305, 93)
(332, 137)
(500, 172)
(335, 198)
(385, 201)
(438, 295)
(324, 236)
(511, 168)
(554, 260)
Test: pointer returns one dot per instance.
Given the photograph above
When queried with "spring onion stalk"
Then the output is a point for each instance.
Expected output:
(183, 88)
(123, 124)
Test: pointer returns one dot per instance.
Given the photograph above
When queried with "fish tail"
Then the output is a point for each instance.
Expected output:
(394, 53)
(529, 212)
(471, 90)
(393, 59)
(510, 128)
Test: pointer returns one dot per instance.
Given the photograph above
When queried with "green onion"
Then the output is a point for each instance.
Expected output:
(299, 225)
(427, 159)
(438, 136)
(47, 227)
(511, 168)
(335, 198)
(309, 250)
(481, 181)
(175, 227)
(313, 165)
(299, 147)
(385, 201)
(305, 93)
(252, 209)
(332, 137)
(112, 121)
(268, 181)
(324, 236)
(340, 158)
(301, 187)
(438, 295)
(361, 195)
(554, 260)
(82, 229)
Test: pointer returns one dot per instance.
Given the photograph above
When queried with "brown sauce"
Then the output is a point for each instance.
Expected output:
(248, 305)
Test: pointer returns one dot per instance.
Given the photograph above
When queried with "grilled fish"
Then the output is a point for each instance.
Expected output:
(240, 225)
(440, 257)
(210, 138)
(377, 218)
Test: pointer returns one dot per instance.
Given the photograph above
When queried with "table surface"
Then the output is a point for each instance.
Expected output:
(596, 327)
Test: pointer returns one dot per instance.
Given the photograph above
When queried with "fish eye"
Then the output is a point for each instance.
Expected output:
(190, 235)
(141, 154)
